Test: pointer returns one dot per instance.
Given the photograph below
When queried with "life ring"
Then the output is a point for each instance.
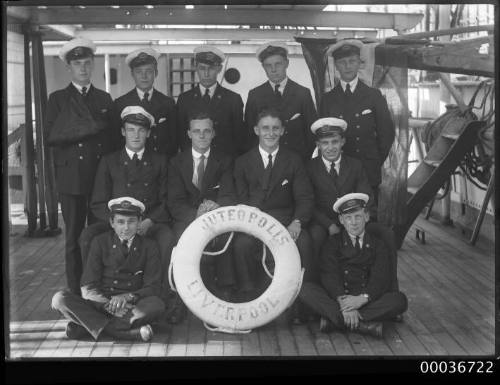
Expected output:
(227, 316)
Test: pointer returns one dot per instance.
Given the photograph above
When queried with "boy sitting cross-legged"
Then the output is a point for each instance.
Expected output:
(120, 283)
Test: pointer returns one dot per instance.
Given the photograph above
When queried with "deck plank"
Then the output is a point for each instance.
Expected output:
(321, 341)
(341, 344)
(268, 340)
(177, 346)
(286, 342)
(359, 344)
(250, 345)
(196, 339)
(304, 340)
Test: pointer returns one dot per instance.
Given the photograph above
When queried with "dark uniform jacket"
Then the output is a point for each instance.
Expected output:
(352, 178)
(289, 196)
(184, 197)
(118, 176)
(226, 108)
(343, 270)
(109, 272)
(76, 162)
(297, 109)
(370, 129)
(163, 136)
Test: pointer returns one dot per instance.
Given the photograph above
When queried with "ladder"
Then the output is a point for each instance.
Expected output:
(441, 161)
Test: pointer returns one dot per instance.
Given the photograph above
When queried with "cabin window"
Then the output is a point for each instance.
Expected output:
(181, 74)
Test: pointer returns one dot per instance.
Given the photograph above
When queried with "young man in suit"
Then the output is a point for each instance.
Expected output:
(78, 128)
(140, 173)
(120, 282)
(143, 65)
(370, 129)
(225, 106)
(333, 174)
(201, 180)
(292, 100)
(273, 179)
(355, 291)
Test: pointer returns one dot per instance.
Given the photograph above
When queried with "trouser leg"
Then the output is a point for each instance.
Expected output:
(81, 311)
(146, 310)
(74, 212)
(304, 245)
(245, 247)
(224, 266)
(315, 297)
(384, 308)
(165, 238)
(88, 235)
(318, 237)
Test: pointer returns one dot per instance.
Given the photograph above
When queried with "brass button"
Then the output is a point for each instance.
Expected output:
(357, 137)
(145, 184)
(81, 157)
(356, 115)
(129, 284)
(112, 288)
(128, 184)
(114, 247)
(340, 116)
(99, 144)
(156, 149)
(357, 126)
(145, 163)
(98, 156)
(346, 272)
(125, 163)
(357, 150)
(80, 144)
(155, 137)
(115, 282)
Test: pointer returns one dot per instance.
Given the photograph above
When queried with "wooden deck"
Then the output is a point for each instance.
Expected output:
(449, 284)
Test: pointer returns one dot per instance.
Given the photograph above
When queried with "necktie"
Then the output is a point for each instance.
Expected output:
(84, 91)
(348, 90)
(267, 172)
(333, 172)
(277, 91)
(135, 158)
(125, 247)
(201, 171)
(206, 97)
(357, 246)
(145, 99)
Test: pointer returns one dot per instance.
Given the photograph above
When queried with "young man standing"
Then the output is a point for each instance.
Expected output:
(140, 173)
(273, 179)
(143, 65)
(333, 174)
(292, 100)
(200, 180)
(78, 129)
(120, 282)
(355, 291)
(224, 106)
(370, 129)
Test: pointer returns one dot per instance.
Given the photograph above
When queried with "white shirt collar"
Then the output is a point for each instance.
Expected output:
(129, 241)
(328, 164)
(265, 155)
(282, 84)
(79, 87)
(131, 153)
(211, 90)
(141, 93)
(361, 239)
(353, 83)
(196, 154)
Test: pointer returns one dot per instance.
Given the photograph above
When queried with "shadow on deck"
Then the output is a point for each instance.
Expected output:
(449, 285)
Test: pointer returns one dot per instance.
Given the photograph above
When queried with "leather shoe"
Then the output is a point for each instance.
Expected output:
(374, 329)
(75, 331)
(146, 332)
(325, 325)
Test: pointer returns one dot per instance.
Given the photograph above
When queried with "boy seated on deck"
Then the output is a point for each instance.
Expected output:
(120, 283)
(355, 280)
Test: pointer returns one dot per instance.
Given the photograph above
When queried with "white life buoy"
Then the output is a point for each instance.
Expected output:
(236, 317)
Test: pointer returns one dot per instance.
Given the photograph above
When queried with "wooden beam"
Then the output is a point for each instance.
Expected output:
(67, 31)
(19, 13)
(216, 34)
(455, 57)
(169, 16)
